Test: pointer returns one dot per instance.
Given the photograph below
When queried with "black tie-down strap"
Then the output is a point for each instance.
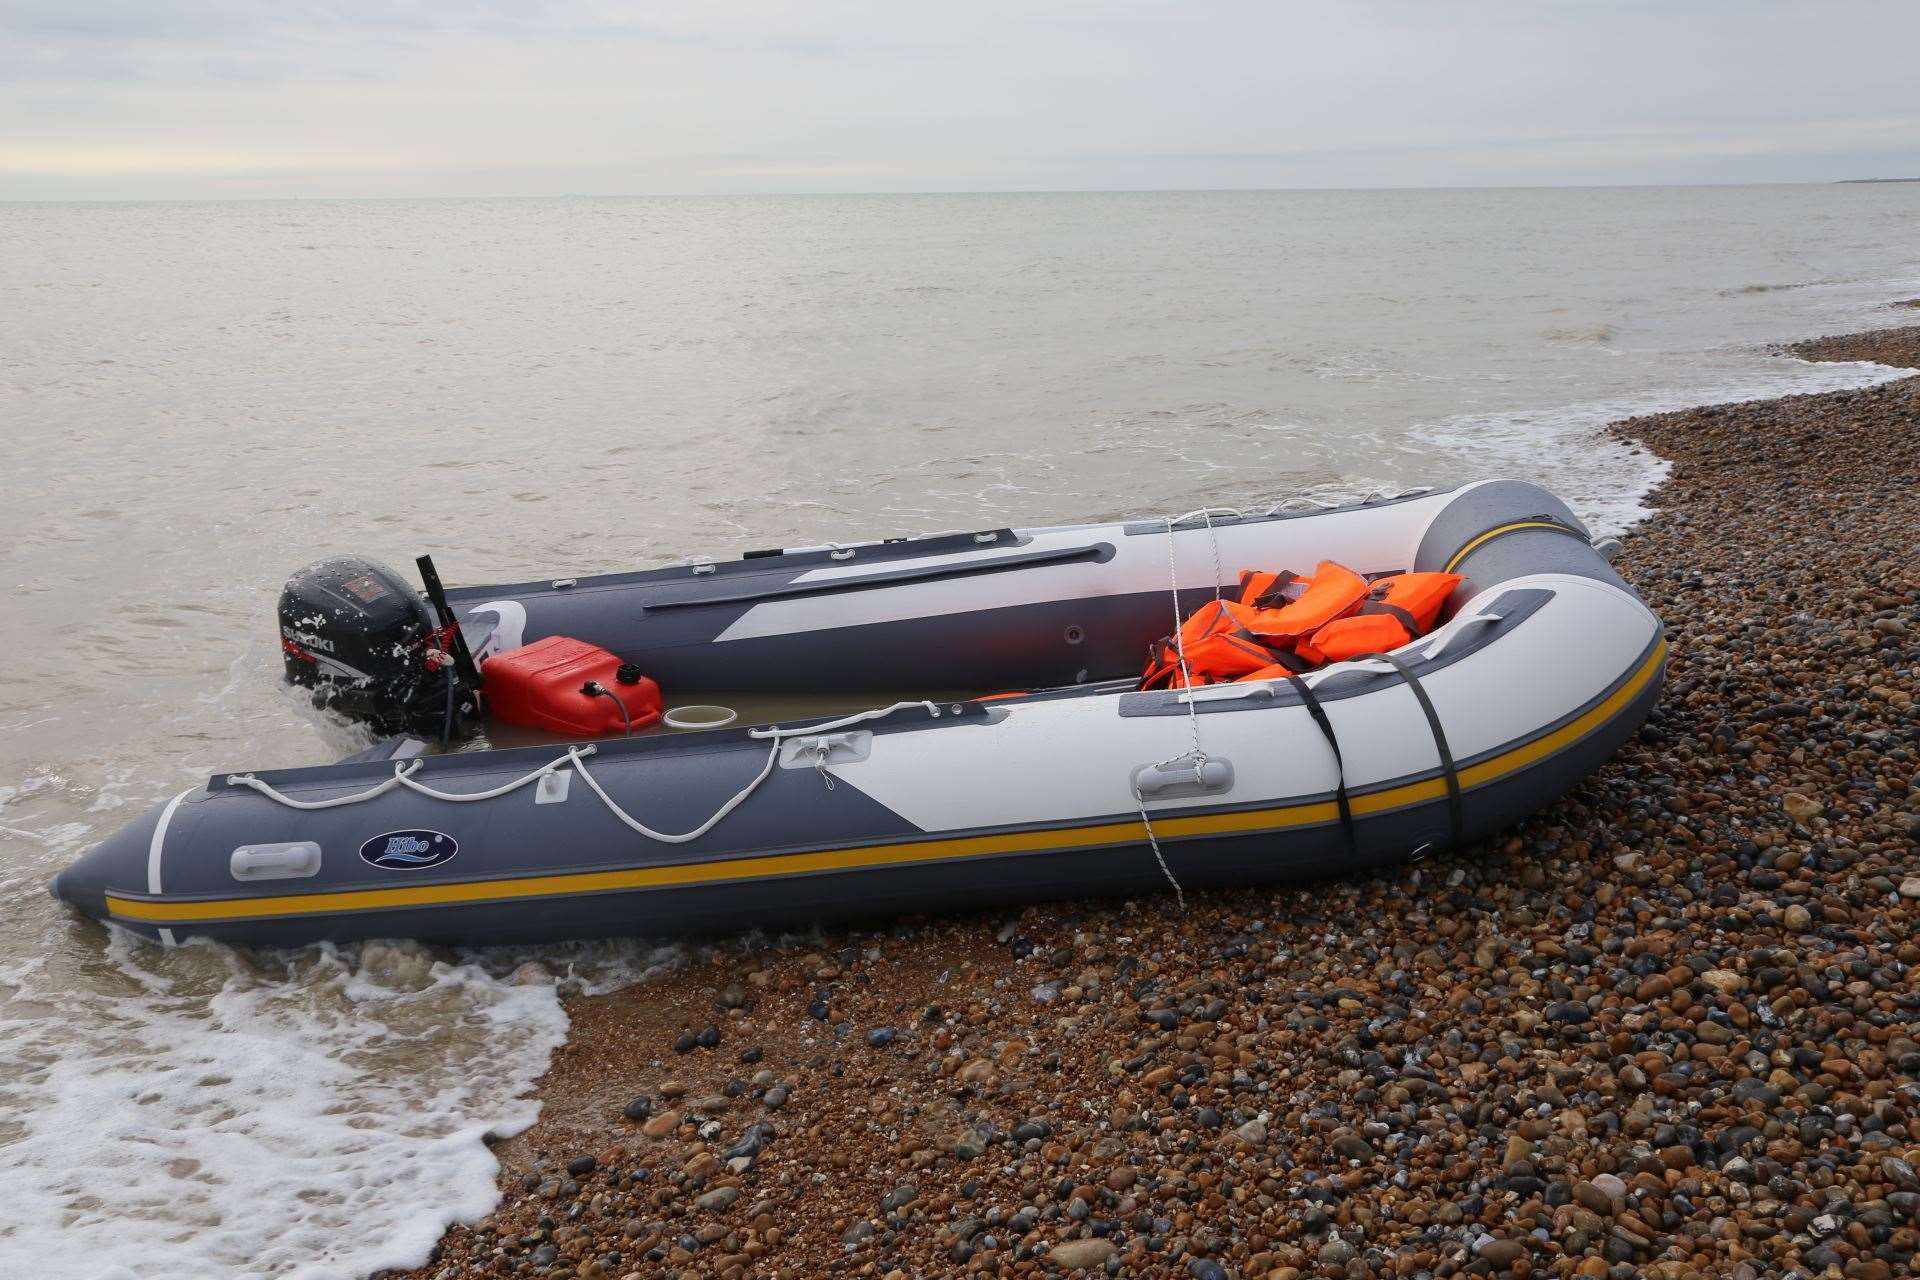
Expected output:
(1319, 714)
(1456, 820)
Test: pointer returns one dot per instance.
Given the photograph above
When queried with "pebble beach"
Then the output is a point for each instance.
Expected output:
(1669, 1026)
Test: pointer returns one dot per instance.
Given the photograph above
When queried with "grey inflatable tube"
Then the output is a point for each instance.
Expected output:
(1547, 663)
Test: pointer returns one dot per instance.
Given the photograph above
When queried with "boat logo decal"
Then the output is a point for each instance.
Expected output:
(409, 850)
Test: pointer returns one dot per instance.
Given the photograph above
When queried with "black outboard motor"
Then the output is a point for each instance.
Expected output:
(366, 643)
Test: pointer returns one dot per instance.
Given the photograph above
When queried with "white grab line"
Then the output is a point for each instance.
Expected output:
(157, 847)
(575, 756)
(159, 842)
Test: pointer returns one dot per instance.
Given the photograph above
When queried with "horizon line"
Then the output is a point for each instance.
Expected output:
(958, 191)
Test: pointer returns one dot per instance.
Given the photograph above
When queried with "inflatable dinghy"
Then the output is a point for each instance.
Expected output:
(1081, 783)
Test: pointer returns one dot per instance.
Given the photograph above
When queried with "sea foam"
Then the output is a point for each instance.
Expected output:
(206, 1113)
(1605, 479)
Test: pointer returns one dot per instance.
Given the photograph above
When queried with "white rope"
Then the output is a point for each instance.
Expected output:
(1198, 756)
(576, 756)
(402, 777)
(739, 798)
(775, 731)
(1153, 842)
(1213, 540)
(1179, 641)
(1302, 502)
(1307, 501)
(1233, 512)
(400, 773)
(462, 797)
(772, 733)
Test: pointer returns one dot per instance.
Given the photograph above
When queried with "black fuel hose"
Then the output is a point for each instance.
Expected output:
(594, 689)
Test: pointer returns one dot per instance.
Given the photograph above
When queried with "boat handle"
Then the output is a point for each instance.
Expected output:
(1187, 776)
(825, 749)
(1460, 627)
(291, 860)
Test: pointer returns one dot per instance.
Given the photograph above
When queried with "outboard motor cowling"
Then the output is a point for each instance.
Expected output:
(363, 640)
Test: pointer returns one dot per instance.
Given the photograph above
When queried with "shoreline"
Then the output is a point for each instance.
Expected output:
(1662, 1027)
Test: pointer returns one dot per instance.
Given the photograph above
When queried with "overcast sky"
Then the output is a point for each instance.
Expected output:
(215, 98)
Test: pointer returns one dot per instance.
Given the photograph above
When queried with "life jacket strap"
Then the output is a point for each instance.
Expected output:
(1162, 664)
(1272, 597)
(1319, 714)
(1287, 658)
(1456, 817)
(1407, 620)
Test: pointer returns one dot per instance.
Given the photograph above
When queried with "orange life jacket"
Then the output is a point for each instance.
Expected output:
(1218, 645)
(1334, 591)
(1220, 660)
(1225, 640)
(1395, 611)
(1229, 639)
(1262, 590)
(1335, 615)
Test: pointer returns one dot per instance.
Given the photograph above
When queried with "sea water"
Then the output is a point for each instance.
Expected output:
(197, 398)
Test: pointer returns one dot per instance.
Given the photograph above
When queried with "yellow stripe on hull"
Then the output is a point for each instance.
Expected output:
(1504, 529)
(160, 912)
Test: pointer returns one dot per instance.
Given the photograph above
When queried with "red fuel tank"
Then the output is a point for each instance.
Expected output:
(539, 686)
